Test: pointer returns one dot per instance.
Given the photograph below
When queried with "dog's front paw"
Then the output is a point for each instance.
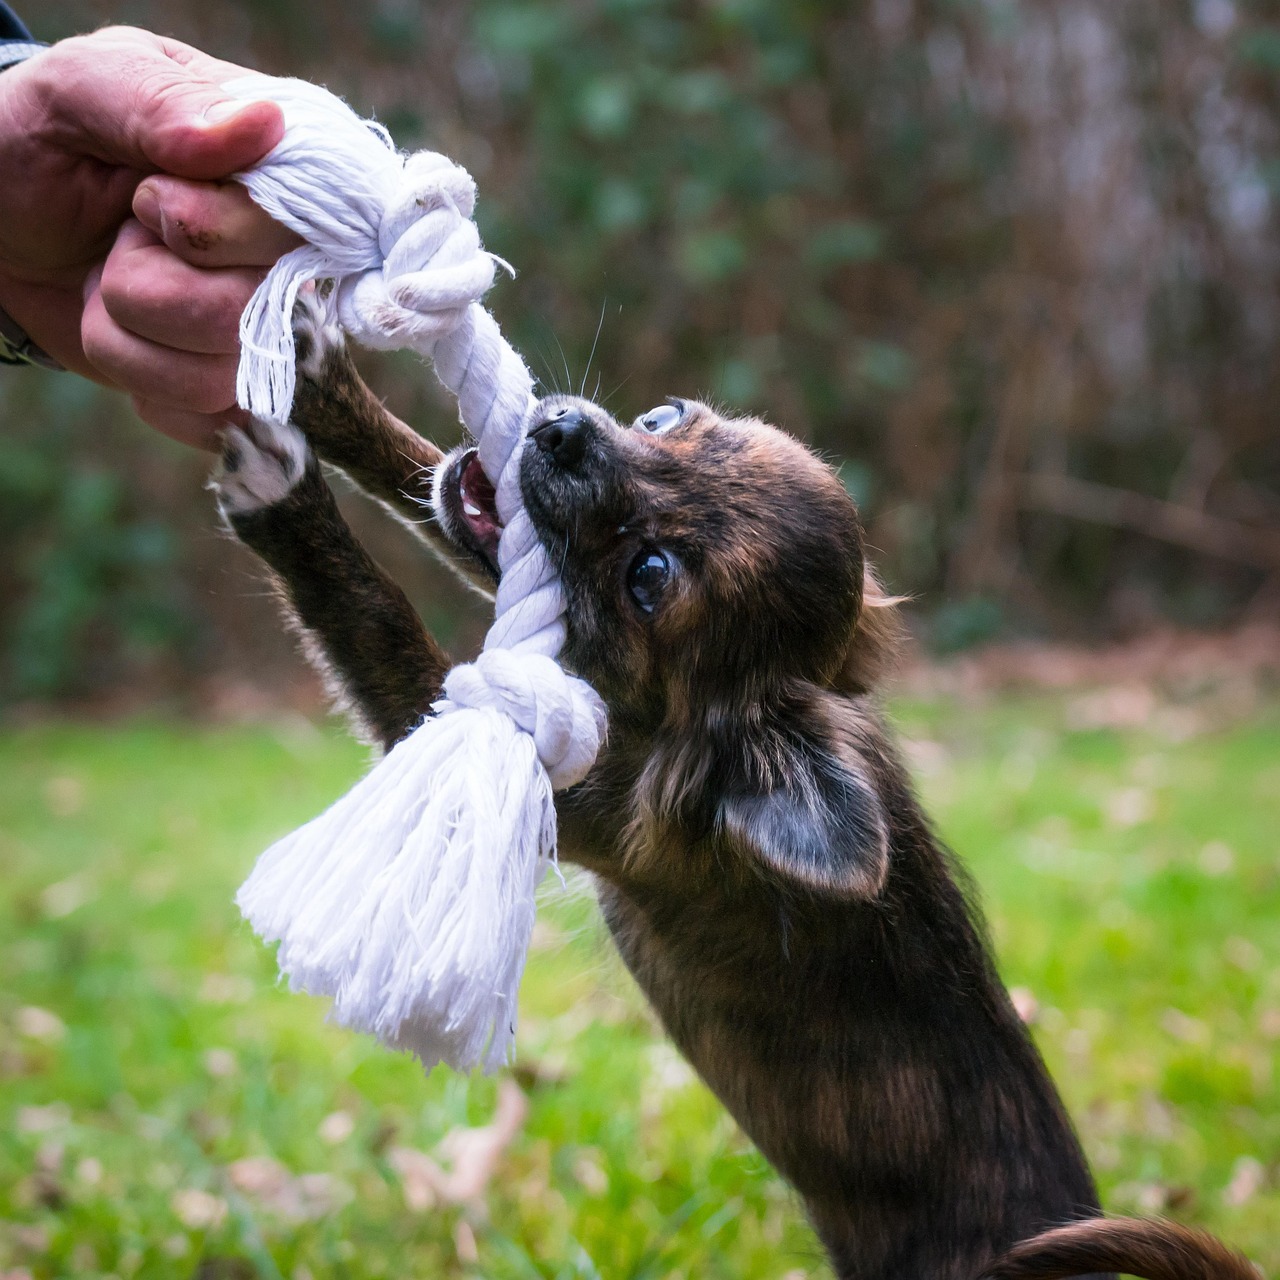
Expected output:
(315, 334)
(259, 466)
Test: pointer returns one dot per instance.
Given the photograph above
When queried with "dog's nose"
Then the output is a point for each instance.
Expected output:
(563, 436)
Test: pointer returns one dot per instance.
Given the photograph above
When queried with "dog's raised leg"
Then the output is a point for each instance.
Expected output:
(351, 429)
(358, 626)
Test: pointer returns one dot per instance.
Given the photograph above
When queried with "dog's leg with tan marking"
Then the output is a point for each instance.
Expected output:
(358, 627)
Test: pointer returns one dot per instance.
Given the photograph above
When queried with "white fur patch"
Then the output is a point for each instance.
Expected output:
(259, 466)
(313, 324)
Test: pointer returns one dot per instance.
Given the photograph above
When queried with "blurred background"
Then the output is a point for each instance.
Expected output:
(1012, 267)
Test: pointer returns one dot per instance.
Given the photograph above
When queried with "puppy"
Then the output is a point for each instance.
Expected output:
(762, 861)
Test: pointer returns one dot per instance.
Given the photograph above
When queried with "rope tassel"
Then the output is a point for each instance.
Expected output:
(410, 901)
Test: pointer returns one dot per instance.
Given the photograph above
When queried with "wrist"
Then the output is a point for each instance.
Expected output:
(48, 316)
(16, 345)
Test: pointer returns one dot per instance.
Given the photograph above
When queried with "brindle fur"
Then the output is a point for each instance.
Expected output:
(357, 627)
(763, 864)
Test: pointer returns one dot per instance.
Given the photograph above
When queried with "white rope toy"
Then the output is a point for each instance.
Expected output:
(410, 901)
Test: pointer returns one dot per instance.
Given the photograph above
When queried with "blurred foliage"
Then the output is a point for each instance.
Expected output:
(90, 566)
(978, 251)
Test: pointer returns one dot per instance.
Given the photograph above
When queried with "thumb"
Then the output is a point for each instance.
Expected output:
(191, 129)
(151, 104)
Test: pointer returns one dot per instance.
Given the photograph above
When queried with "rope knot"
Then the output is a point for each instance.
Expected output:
(395, 236)
(433, 265)
(562, 714)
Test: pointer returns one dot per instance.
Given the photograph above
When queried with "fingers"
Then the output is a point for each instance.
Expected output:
(153, 104)
(167, 331)
(195, 382)
(211, 224)
(156, 295)
(161, 317)
(201, 431)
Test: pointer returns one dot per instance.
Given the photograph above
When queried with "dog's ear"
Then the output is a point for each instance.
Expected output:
(814, 820)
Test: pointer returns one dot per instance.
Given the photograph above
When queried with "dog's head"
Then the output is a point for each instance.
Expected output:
(718, 600)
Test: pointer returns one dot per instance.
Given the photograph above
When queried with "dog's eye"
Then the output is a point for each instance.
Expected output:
(663, 418)
(648, 577)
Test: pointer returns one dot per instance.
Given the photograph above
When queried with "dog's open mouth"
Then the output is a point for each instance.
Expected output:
(477, 505)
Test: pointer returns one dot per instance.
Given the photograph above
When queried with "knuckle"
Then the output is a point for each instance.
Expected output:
(132, 289)
(119, 31)
(116, 285)
(97, 338)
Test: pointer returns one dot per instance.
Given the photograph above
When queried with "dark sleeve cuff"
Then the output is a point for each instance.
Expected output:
(16, 45)
(17, 348)
(14, 51)
(12, 27)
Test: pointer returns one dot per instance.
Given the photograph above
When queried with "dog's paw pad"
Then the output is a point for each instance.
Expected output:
(314, 333)
(259, 466)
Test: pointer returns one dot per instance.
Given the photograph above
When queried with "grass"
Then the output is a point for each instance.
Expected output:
(166, 1111)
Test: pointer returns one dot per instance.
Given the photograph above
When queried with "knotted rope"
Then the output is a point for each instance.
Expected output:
(410, 901)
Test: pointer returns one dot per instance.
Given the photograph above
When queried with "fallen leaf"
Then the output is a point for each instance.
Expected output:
(221, 1063)
(296, 1199)
(39, 1024)
(61, 899)
(337, 1127)
(473, 1156)
(418, 1175)
(588, 1169)
(225, 988)
(1130, 807)
(31, 1237)
(64, 796)
(43, 1119)
(1182, 1026)
(1127, 706)
(464, 1242)
(1248, 1177)
(198, 1210)
(1216, 858)
(1243, 954)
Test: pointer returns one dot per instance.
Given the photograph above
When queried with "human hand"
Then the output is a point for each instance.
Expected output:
(149, 304)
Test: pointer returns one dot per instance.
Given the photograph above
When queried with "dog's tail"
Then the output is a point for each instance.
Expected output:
(1148, 1247)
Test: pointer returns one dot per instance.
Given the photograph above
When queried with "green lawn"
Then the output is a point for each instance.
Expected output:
(166, 1111)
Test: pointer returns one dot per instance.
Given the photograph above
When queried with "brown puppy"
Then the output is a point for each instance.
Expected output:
(762, 861)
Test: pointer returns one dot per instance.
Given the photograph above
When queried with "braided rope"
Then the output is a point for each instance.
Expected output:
(395, 236)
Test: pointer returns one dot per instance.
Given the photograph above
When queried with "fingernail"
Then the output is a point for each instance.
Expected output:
(146, 208)
(224, 110)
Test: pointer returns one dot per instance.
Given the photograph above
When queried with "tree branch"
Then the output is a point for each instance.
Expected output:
(1166, 521)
